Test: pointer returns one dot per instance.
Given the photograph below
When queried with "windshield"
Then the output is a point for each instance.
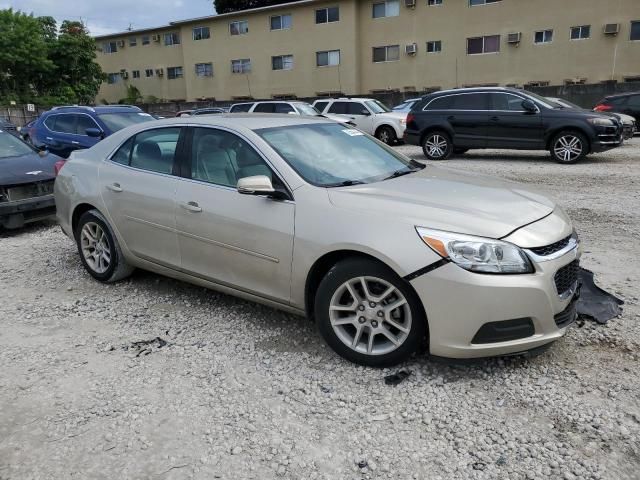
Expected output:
(403, 107)
(118, 121)
(562, 103)
(306, 109)
(10, 146)
(329, 155)
(377, 107)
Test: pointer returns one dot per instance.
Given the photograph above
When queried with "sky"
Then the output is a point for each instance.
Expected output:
(109, 16)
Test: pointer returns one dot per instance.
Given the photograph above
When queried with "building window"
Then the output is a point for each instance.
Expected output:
(204, 69)
(580, 33)
(390, 8)
(434, 46)
(172, 38)
(432, 3)
(201, 33)
(133, 41)
(145, 40)
(239, 28)
(242, 65)
(473, 3)
(174, 73)
(148, 72)
(635, 30)
(389, 53)
(543, 36)
(110, 47)
(113, 78)
(135, 74)
(281, 22)
(328, 15)
(488, 44)
(282, 62)
(328, 59)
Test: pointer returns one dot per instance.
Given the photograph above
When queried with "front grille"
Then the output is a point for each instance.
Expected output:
(30, 190)
(551, 249)
(568, 315)
(566, 278)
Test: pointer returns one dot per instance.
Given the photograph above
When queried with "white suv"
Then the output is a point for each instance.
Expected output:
(369, 115)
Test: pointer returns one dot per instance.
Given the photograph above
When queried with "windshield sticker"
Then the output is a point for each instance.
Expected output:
(352, 133)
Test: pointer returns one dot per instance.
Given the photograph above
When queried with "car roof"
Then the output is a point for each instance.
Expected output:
(626, 94)
(251, 121)
(97, 109)
(474, 90)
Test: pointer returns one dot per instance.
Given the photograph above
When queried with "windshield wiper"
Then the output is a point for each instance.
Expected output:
(346, 183)
(399, 173)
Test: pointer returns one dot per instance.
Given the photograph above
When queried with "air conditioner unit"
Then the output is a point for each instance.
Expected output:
(160, 72)
(120, 43)
(411, 49)
(410, 3)
(124, 75)
(156, 38)
(514, 37)
(612, 29)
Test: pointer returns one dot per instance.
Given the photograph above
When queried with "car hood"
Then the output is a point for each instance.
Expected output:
(393, 115)
(448, 200)
(27, 168)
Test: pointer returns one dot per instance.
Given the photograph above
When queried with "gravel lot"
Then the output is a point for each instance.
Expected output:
(243, 391)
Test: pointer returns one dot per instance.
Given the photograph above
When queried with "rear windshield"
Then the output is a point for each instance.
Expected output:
(11, 146)
(118, 121)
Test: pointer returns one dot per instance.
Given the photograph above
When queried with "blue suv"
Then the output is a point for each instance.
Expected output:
(62, 130)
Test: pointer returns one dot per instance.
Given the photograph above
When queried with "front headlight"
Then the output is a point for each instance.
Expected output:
(603, 122)
(477, 254)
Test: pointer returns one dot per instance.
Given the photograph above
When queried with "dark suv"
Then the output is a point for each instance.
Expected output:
(62, 130)
(628, 103)
(455, 121)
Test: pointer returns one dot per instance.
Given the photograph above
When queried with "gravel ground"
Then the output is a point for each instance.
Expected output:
(243, 391)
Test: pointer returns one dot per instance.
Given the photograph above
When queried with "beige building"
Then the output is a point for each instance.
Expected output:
(314, 47)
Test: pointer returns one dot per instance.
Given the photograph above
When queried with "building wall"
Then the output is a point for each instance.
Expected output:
(597, 59)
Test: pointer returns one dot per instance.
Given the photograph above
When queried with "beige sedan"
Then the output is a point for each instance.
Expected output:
(316, 218)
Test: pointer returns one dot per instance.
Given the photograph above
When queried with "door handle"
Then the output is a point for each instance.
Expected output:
(191, 207)
(75, 143)
(115, 187)
(495, 119)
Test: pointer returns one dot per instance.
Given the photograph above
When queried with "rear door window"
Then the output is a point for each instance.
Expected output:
(471, 101)
(284, 108)
(339, 108)
(155, 150)
(66, 123)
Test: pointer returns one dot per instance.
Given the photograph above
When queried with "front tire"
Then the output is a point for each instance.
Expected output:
(569, 147)
(386, 135)
(369, 315)
(437, 145)
(99, 249)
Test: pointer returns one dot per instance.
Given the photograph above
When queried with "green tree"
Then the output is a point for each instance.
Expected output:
(133, 96)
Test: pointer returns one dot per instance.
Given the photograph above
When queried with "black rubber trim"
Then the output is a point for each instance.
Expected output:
(427, 269)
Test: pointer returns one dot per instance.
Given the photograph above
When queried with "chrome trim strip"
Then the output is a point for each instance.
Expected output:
(572, 245)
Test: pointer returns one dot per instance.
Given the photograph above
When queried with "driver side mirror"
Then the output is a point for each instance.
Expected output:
(529, 106)
(94, 132)
(365, 112)
(260, 185)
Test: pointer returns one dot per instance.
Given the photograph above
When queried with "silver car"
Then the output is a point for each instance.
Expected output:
(316, 218)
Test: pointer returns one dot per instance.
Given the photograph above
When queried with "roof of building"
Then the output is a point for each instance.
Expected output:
(239, 13)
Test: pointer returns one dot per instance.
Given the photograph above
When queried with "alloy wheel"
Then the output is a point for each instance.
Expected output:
(370, 315)
(385, 136)
(95, 247)
(568, 148)
(436, 145)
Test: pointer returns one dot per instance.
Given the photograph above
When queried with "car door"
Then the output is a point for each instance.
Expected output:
(467, 114)
(138, 187)
(632, 107)
(361, 115)
(511, 126)
(241, 241)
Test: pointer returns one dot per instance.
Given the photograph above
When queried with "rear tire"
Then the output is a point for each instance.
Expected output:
(437, 145)
(569, 147)
(386, 135)
(368, 314)
(99, 249)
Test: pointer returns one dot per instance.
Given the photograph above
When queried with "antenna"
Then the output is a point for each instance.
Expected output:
(130, 27)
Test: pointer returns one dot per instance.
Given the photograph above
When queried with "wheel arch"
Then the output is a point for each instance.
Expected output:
(78, 211)
(571, 128)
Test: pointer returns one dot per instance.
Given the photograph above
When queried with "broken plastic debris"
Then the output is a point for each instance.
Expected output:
(594, 302)
(396, 378)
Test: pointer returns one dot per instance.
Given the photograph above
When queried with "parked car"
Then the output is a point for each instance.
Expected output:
(288, 107)
(319, 219)
(628, 122)
(454, 121)
(62, 130)
(627, 103)
(207, 111)
(26, 182)
(25, 131)
(369, 115)
(7, 126)
(405, 107)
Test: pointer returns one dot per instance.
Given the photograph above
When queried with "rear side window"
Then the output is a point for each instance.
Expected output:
(441, 103)
(320, 106)
(123, 155)
(242, 107)
(264, 108)
(618, 102)
(155, 150)
(339, 108)
(634, 101)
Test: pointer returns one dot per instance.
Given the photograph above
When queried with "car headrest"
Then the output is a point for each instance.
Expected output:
(149, 150)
